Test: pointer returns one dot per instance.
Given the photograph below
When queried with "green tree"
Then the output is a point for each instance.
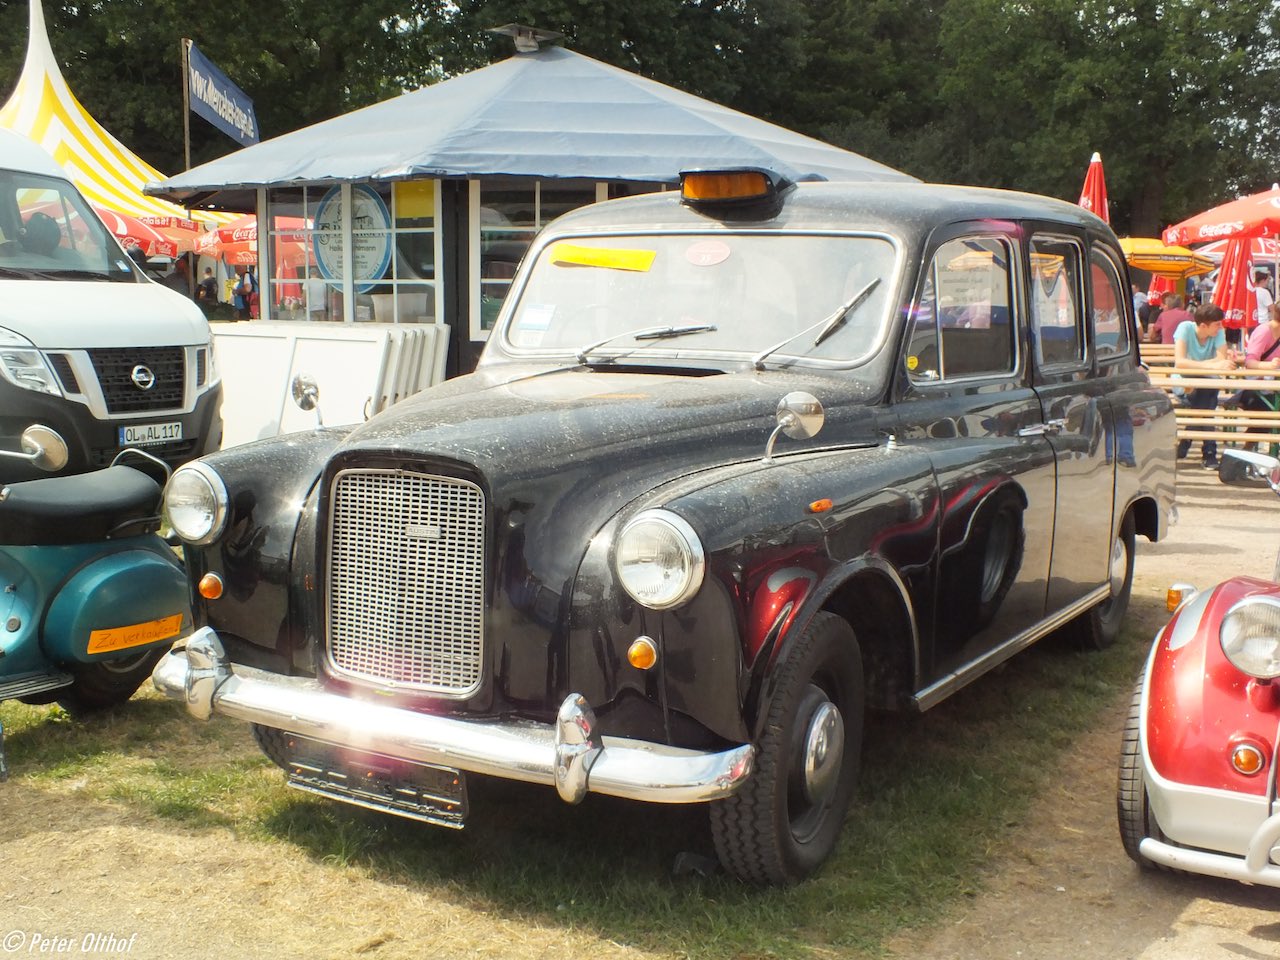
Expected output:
(301, 61)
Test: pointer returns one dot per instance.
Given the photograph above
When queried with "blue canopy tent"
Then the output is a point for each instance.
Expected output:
(547, 120)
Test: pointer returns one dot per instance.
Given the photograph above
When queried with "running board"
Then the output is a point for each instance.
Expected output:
(938, 691)
(33, 683)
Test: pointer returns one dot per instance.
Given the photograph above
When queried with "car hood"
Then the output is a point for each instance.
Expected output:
(72, 314)
(562, 451)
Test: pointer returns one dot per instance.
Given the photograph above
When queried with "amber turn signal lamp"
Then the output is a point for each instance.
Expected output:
(211, 586)
(1172, 600)
(821, 506)
(642, 654)
(1247, 759)
(742, 185)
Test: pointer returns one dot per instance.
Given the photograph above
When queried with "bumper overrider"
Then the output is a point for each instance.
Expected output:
(568, 754)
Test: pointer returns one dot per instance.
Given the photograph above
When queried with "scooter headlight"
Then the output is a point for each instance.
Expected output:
(1250, 637)
(659, 561)
(195, 501)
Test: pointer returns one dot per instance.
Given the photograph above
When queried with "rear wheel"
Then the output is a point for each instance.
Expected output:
(784, 821)
(1099, 627)
(106, 683)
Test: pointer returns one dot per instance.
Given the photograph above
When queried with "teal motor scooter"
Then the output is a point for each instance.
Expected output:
(91, 596)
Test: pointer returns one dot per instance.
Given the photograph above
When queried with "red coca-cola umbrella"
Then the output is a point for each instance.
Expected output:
(1261, 250)
(1234, 291)
(1257, 215)
(180, 230)
(1093, 196)
(237, 242)
(132, 232)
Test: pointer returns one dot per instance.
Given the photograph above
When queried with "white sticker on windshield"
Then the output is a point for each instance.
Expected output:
(536, 316)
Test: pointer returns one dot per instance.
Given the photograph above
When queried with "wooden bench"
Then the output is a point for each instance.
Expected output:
(1227, 425)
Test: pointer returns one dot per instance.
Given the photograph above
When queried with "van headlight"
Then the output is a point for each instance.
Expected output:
(1250, 637)
(24, 366)
(195, 501)
(659, 560)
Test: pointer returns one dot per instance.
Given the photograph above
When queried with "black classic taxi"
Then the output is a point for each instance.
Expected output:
(739, 463)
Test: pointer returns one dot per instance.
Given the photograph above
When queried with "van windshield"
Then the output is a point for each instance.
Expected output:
(47, 231)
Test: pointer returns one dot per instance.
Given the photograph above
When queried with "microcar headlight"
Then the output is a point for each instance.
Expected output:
(24, 366)
(1250, 637)
(659, 560)
(195, 501)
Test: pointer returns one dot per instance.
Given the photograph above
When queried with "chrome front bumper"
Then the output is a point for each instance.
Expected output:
(568, 754)
(1256, 866)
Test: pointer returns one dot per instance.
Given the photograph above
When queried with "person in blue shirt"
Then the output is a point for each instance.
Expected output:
(1200, 344)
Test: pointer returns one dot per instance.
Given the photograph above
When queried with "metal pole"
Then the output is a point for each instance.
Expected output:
(186, 102)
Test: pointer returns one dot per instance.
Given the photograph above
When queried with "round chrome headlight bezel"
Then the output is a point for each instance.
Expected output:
(651, 582)
(195, 503)
(1250, 636)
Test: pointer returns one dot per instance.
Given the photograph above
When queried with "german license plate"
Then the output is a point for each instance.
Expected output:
(141, 434)
(403, 787)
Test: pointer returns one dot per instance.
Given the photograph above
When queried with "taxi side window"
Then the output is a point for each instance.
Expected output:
(1110, 331)
(961, 324)
(1056, 311)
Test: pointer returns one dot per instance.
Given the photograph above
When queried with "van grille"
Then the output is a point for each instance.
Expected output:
(114, 367)
(406, 580)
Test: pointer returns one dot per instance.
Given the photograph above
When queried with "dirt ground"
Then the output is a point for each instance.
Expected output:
(1061, 887)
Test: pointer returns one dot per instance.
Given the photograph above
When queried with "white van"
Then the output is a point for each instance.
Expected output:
(88, 345)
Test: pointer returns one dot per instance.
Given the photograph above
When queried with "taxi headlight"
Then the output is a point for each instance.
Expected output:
(195, 501)
(1250, 637)
(659, 560)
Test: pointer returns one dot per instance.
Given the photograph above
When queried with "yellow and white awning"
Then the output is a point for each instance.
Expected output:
(109, 174)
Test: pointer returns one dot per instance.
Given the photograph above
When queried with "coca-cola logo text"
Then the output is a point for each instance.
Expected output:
(1220, 229)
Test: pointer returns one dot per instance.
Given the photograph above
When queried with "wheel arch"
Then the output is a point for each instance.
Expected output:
(1146, 517)
(873, 599)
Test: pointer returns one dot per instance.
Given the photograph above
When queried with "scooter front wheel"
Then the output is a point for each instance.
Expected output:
(106, 683)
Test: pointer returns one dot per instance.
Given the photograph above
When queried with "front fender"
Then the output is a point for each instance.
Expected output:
(1198, 703)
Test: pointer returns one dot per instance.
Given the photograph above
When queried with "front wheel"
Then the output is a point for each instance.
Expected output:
(1133, 812)
(784, 821)
(106, 683)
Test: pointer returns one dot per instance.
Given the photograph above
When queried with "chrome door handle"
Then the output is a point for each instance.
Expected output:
(1050, 428)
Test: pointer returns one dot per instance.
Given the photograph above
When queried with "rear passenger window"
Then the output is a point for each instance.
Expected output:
(961, 325)
(1056, 311)
(1110, 331)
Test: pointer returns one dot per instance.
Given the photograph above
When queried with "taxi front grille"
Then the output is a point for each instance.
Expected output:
(406, 580)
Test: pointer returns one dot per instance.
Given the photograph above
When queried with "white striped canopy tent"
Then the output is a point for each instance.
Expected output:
(109, 174)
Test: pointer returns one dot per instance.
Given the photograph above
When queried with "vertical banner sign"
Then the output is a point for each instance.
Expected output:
(218, 100)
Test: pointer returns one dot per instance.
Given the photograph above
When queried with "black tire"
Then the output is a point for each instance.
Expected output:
(272, 742)
(98, 686)
(1133, 813)
(782, 823)
(1099, 627)
(1232, 470)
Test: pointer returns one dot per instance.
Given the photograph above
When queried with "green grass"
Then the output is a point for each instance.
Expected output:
(939, 793)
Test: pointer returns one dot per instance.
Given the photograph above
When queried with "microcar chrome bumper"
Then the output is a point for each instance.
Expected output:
(568, 754)
(1256, 866)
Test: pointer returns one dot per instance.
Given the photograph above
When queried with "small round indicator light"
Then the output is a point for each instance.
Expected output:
(211, 586)
(643, 653)
(1247, 759)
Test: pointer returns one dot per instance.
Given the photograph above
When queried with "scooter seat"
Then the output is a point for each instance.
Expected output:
(115, 502)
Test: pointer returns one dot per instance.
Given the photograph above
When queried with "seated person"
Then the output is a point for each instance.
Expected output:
(41, 235)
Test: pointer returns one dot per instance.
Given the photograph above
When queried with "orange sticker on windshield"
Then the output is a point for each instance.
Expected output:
(573, 255)
(122, 638)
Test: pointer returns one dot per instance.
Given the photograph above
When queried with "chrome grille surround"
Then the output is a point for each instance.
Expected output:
(406, 565)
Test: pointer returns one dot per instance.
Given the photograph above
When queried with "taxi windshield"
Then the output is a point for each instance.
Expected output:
(47, 231)
(793, 298)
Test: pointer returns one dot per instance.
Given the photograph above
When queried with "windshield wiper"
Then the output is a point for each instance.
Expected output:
(647, 333)
(23, 273)
(829, 324)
